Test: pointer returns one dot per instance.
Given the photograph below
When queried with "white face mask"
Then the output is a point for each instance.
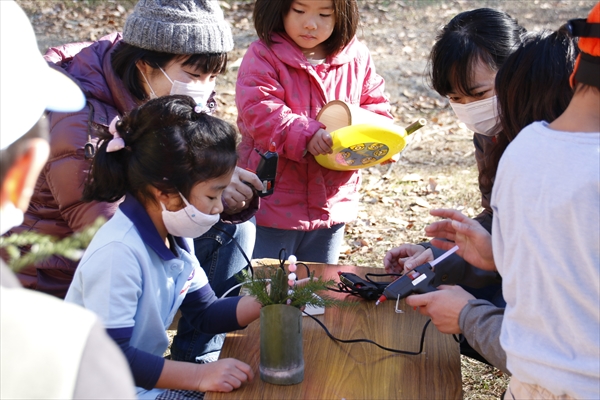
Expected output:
(11, 217)
(188, 222)
(197, 90)
(479, 116)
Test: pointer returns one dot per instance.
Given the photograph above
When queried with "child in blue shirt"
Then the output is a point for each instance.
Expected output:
(172, 162)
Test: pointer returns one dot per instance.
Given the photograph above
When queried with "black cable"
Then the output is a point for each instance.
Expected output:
(282, 258)
(249, 263)
(380, 284)
(281, 264)
(410, 353)
(367, 288)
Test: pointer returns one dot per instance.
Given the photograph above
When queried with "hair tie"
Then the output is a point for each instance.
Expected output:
(198, 109)
(116, 143)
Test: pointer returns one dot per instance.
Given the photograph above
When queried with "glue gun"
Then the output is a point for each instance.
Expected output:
(417, 281)
(267, 170)
(356, 285)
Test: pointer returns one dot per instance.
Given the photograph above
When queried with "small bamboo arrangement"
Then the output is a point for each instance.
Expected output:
(271, 284)
(283, 297)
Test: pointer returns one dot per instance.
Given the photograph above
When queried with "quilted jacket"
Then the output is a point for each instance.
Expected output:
(278, 96)
(56, 207)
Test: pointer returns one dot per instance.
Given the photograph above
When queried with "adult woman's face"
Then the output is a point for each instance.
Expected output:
(481, 86)
(175, 71)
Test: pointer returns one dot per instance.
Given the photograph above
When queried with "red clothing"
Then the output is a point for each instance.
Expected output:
(278, 96)
(56, 207)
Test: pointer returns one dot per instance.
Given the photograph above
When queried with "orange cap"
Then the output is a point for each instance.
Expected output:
(587, 65)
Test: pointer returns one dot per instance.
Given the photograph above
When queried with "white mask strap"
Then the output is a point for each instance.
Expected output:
(165, 74)
(148, 83)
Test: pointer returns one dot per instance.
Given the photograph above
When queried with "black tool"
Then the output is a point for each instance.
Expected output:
(354, 284)
(267, 170)
(417, 281)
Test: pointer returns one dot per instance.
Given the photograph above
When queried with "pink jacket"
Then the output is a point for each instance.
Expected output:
(278, 96)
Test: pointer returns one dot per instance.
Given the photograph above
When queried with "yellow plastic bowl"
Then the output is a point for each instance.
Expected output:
(362, 146)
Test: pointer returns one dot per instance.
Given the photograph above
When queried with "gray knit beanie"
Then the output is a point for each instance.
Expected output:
(178, 27)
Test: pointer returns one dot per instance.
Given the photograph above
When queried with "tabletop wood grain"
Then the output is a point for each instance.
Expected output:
(336, 370)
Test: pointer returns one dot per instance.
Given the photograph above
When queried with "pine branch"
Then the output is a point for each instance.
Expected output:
(27, 248)
(270, 286)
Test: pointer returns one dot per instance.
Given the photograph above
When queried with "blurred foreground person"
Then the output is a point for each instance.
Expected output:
(49, 349)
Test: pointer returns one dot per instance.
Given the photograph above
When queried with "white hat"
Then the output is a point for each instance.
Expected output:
(28, 86)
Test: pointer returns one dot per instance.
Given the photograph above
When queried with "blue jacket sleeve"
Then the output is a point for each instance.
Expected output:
(208, 314)
(145, 367)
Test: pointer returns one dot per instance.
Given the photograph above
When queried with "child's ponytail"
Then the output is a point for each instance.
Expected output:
(107, 178)
(166, 143)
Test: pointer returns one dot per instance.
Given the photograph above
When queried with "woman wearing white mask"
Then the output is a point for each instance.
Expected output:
(532, 84)
(167, 47)
(171, 162)
(463, 63)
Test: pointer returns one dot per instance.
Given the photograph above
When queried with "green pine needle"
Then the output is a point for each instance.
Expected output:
(270, 286)
(27, 248)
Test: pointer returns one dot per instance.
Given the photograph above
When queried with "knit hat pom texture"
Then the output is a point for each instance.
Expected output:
(179, 27)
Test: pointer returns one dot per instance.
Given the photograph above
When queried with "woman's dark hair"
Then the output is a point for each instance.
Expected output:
(167, 145)
(532, 85)
(125, 57)
(484, 35)
(268, 18)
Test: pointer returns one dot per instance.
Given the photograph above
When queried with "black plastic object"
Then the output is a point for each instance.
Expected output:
(267, 170)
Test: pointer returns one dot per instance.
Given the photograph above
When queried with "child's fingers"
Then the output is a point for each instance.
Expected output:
(327, 139)
(415, 261)
(443, 244)
(448, 213)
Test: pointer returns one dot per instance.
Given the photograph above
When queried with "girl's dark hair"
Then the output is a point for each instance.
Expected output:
(482, 34)
(268, 18)
(168, 146)
(125, 57)
(532, 85)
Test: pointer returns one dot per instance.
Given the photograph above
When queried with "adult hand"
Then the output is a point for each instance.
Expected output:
(443, 306)
(320, 143)
(474, 242)
(395, 259)
(223, 375)
(237, 194)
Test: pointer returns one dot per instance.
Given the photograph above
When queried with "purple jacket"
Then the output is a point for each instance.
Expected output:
(278, 96)
(56, 207)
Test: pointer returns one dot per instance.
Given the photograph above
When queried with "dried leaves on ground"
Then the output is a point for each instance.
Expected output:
(437, 169)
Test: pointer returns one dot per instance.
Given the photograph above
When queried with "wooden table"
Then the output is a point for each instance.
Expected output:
(334, 370)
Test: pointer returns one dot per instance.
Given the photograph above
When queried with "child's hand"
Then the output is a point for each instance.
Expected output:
(320, 143)
(395, 259)
(223, 375)
(474, 242)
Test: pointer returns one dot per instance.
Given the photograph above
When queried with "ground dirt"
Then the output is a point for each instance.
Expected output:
(437, 169)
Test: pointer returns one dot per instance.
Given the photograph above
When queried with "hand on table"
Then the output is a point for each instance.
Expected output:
(474, 242)
(443, 306)
(223, 375)
(320, 143)
(237, 194)
(406, 257)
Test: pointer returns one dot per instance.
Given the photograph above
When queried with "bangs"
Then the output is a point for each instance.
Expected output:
(209, 63)
(454, 70)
